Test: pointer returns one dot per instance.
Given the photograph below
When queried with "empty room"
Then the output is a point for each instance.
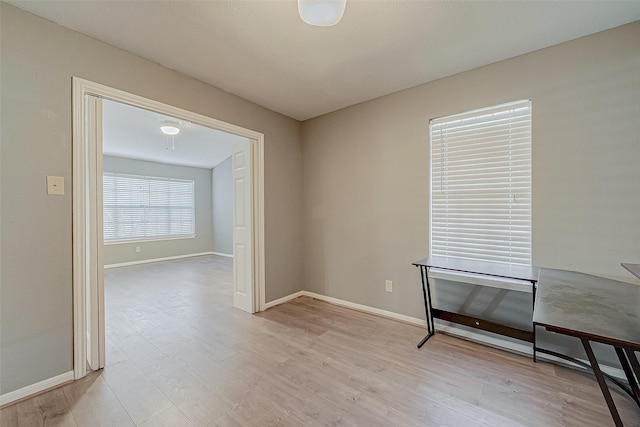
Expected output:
(311, 212)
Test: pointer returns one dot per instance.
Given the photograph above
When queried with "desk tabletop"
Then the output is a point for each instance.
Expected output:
(486, 268)
(583, 305)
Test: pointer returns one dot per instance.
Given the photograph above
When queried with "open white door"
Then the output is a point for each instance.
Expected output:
(242, 227)
(95, 268)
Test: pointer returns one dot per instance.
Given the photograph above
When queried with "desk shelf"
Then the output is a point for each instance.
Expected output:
(483, 324)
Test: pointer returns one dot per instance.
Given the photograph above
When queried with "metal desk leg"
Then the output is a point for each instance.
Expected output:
(601, 382)
(628, 372)
(426, 293)
(634, 362)
(533, 304)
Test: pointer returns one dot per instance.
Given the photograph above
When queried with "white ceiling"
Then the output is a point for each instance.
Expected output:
(261, 50)
(134, 133)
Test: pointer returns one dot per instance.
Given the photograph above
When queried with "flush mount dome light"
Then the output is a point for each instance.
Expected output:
(170, 129)
(323, 13)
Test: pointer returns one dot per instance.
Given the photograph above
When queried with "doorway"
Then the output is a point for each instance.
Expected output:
(88, 286)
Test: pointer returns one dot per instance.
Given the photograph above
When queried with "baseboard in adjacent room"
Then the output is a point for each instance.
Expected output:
(33, 389)
(169, 258)
(224, 255)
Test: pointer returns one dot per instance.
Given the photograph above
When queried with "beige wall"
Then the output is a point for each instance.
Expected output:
(38, 60)
(366, 181)
(222, 185)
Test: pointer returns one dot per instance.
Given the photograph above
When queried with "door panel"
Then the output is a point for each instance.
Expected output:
(242, 227)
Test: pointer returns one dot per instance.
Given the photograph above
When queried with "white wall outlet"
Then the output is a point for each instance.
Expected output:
(388, 285)
(138, 249)
(55, 185)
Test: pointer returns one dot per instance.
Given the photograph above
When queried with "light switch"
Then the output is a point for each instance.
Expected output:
(388, 285)
(55, 185)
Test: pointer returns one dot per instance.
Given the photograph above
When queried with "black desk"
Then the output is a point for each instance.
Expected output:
(594, 309)
(482, 268)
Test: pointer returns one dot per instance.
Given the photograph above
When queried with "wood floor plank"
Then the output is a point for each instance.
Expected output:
(88, 394)
(178, 353)
(110, 415)
(171, 417)
(230, 419)
(140, 397)
(197, 402)
(50, 409)
(9, 416)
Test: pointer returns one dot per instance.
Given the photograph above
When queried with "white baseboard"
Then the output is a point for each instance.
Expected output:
(366, 309)
(36, 388)
(147, 261)
(283, 299)
(451, 329)
(221, 254)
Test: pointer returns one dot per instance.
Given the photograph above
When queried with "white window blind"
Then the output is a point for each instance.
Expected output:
(481, 184)
(142, 207)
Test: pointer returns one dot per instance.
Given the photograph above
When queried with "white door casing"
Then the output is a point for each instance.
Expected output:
(95, 271)
(242, 227)
(88, 301)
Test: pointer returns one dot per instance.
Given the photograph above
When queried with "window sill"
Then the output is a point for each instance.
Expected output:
(159, 239)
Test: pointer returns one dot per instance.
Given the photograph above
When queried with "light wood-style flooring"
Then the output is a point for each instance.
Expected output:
(179, 354)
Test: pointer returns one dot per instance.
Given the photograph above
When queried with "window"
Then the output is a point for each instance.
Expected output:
(143, 207)
(481, 184)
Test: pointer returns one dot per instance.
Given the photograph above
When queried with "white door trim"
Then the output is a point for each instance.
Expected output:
(83, 87)
(94, 290)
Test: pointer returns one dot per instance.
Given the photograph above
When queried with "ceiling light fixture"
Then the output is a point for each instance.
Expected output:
(322, 13)
(170, 129)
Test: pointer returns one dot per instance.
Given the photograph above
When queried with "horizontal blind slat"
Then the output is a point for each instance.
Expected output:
(147, 207)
